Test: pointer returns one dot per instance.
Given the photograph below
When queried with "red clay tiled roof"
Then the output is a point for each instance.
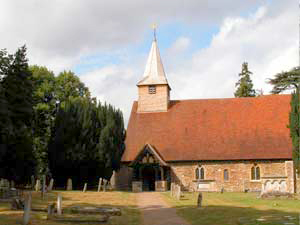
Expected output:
(214, 129)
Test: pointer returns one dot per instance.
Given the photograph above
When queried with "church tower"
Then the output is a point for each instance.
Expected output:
(153, 89)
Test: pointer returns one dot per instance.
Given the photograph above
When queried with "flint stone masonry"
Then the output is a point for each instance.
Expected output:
(239, 175)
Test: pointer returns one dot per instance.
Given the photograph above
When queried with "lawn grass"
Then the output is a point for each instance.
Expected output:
(124, 200)
(234, 208)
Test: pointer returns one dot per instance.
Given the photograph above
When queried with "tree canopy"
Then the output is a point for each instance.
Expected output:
(290, 80)
(244, 85)
(50, 125)
(17, 161)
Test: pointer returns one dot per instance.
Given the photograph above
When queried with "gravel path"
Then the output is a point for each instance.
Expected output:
(155, 211)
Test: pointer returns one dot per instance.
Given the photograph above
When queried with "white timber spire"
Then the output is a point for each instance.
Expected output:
(154, 71)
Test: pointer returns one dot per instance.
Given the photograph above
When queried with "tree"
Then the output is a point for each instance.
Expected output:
(17, 159)
(44, 114)
(48, 92)
(244, 85)
(290, 81)
(86, 135)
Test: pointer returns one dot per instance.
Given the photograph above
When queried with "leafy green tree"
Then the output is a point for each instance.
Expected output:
(17, 159)
(44, 114)
(68, 84)
(244, 85)
(49, 91)
(290, 81)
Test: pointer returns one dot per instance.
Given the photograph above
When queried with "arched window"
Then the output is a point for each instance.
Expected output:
(255, 173)
(199, 173)
(226, 174)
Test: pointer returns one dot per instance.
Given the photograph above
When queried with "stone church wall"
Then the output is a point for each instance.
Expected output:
(153, 102)
(239, 174)
(122, 180)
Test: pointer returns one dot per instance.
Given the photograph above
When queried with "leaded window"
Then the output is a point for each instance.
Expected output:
(255, 173)
(226, 174)
(199, 173)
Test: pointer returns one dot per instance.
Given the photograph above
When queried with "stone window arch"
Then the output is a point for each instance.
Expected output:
(255, 172)
(199, 173)
(226, 174)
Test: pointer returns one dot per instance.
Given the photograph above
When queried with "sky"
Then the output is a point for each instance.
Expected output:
(203, 43)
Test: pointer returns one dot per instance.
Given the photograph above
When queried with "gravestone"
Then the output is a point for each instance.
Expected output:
(172, 189)
(100, 184)
(12, 184)
(85, 187)
(51, 208)
(104, 184)
(178, 192)
(38, 185)
(59, 202)
(69, 185)
(199, 200)
(27, 208)
(17, 204)
(50, 187)
(32, 182)
(43, 186)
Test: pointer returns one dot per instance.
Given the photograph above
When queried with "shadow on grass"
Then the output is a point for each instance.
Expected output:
(216, 215)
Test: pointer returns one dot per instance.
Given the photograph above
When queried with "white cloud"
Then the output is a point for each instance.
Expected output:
(58, 33)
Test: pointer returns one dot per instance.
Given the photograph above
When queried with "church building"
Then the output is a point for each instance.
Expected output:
(234, 144)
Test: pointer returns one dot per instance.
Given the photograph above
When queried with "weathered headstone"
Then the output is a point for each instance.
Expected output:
(178, 192)
(27, 209)
(38, 185)
(85, 187)
(104, 184)
(172, 190)
(1, 183)
(69, 185)
(43, 186)
(12, 184)
(59, 204)
(199, 200)
(50, 187)
(32, 183)
(100, 184)
(51, 208)
(17, 204)
(222, 190)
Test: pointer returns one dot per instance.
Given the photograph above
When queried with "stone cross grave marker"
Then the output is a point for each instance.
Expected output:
(100, 184)
(27, 209)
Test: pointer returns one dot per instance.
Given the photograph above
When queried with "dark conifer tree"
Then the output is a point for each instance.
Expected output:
(244, 85)
(18, 161)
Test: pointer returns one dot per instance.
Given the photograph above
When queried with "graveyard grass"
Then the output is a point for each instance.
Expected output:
(124, 200)
(231, 208)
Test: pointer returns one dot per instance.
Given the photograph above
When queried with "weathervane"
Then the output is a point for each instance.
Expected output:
(154, 26)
